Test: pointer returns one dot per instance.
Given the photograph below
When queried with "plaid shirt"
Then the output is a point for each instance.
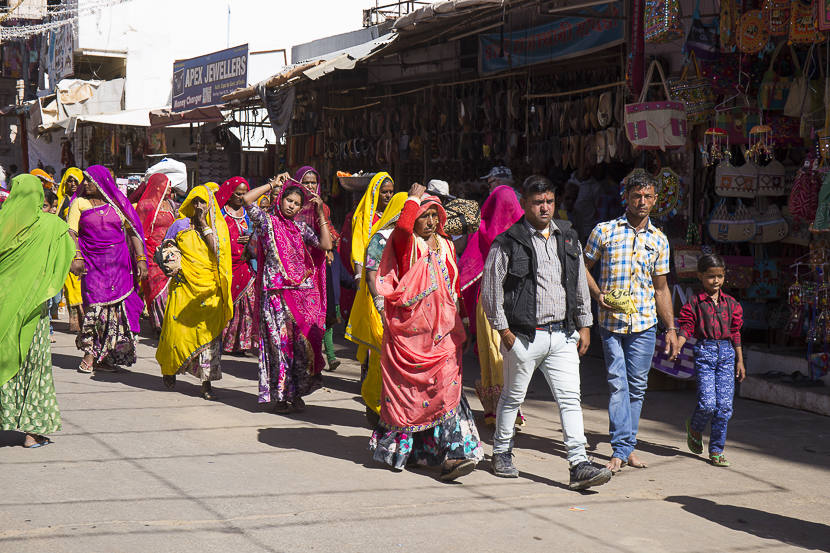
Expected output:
(629, 259)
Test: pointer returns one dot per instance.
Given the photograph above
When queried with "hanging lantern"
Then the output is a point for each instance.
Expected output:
(760, 143)
(714, 147)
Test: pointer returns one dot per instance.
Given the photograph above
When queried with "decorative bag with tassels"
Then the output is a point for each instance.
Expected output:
(658, 125)
(777, 17)
(731, 227)
(703, 40)
(803, 23)
(695, 92)
(752, 34)
(663, 21)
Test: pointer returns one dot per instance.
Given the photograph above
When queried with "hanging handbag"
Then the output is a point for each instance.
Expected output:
(786, 132)
(728, 20)
(695, 92)
(731, 227)
(799, 89)
(738, 121)
(722, 73)
(635, 68)
(663, 21)
(658, 125)
(770, 225)
(736, 182)
(777, 17)
(703, 40)
(803, 24)
(738, 274)
(463, 217)
(670, 193)
(822, 220)
(766, 280)
(687, 255)
(752, 33)
(798, 233)
(775, 88)
(771, 179)
(803, 200)
(683, 367)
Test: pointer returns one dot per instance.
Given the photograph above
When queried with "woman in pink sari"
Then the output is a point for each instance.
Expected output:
(292, 294)
(498, 214)
(241, 334)
(157, 213)
(424, 416)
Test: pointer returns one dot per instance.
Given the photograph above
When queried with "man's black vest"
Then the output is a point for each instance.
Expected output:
(522, 267)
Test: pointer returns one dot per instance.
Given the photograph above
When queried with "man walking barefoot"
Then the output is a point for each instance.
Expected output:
(635, 259)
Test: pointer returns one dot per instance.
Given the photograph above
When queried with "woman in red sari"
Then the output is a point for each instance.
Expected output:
(241, 334)
(157, 213)
(424, 416)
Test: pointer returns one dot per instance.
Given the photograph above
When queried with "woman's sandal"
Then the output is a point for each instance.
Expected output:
(718, 459)
(281, 408)
(169, 380)
(208, 393)
(695, 445)
(298, 404)
(85, 367)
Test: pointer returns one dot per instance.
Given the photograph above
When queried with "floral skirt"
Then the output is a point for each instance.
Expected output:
(240, 334)
(455, 438)
(76, 318)
(107, 336)
(27, 401)
(286, 358)
(156, 310)
(205, 364)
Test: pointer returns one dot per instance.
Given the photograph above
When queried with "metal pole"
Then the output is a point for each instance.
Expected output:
(229, 25)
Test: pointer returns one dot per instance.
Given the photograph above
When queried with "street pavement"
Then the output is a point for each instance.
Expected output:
(141, 468)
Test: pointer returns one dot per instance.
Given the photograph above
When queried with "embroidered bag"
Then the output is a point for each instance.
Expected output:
(703, 40)
(731, 227)
(663, 21)
(695, 92)
(766, 280)
(803, 200)
(738, 271)
(778, 315)
(770, 225)
(798, 233)
(684, 366)
(818, 253)
(737, 122)
(670, 193)
(786, 132)
(775, 88)
(723, 73)
(755, 315)
(656, 125)
(822, 220)
(823, 15)
(728, 21)
(752, 33)
(736, 182)
(777, 17)
(686, 255)
(771, 179)
(802, 23)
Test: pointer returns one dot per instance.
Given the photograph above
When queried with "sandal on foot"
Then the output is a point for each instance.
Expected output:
(169, 380)
(107, 368)
(41, 443)
(209, 395)
(298, 404)
(281, 408)
(718, 459)
(695, 445)
(333, 364)
(85, 367)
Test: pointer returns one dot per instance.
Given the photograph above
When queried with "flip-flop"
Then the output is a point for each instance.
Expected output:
(719, 460)
(695, 445)
(46, 441)
(281, 408)
(85, 368)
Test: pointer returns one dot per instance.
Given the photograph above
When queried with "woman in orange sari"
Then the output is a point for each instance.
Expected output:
(424, 416)
(157, 213)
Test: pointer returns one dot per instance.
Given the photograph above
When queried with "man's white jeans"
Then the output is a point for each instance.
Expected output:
(558, 358)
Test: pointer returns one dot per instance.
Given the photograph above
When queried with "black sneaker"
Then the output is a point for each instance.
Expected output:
(503, 465)
(584, 475)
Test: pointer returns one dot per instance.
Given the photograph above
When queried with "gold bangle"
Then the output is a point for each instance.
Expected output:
(141, 258)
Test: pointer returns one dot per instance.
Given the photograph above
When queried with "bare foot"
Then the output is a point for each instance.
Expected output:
(615, 465)
(635, 461)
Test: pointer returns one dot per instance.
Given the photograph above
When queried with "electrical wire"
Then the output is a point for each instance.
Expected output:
(69, 16)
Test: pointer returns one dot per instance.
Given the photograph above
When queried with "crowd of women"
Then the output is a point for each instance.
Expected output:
(235, 270)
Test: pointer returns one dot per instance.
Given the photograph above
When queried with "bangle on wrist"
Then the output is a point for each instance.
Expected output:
(671, 328)
(465, 321)
(207, 231)
(141, 258)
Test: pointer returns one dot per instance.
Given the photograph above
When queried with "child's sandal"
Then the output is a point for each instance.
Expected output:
(695, 445)
(719, 460)
(85, 367)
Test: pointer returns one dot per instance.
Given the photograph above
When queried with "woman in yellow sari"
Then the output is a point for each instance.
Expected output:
(365, 327)
(72, 178)
(199, 303)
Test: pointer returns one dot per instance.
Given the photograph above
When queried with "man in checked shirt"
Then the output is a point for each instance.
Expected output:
(635, 259)
(535, 294)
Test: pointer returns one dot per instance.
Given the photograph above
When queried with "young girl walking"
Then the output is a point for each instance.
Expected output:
(715, 320)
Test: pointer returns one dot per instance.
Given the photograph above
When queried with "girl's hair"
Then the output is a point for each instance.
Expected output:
(293, 190)
(710, 261)
(50, 196)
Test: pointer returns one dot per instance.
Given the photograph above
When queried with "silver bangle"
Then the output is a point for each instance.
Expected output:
(466, 321)
(207, 232)
(379, 302)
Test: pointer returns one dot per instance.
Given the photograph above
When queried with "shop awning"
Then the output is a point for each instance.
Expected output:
(317, 67)
(166, 116)
(131, 118)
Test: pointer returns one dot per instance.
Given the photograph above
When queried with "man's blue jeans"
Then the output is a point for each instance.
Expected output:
(628, 358)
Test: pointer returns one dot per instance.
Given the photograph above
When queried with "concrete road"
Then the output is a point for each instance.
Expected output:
(140, 468)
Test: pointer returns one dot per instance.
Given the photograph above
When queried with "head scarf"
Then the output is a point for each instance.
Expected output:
(102, 179)
(78, 175)
(35, 253)
(136, 195)
(499, 212)
(228, 188)
(44, 177)
(362, 227)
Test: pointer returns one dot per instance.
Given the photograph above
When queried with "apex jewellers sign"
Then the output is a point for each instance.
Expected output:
(202, 81)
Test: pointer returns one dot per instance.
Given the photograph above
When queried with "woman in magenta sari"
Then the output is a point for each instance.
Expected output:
(241, 334)
(424, 417)
(292, 294)
(498, 214)
(110, 260)
(157, 213)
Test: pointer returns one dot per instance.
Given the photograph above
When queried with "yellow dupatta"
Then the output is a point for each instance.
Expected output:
(73, 283)
(362, 227)
(365, 326)
(199, 307)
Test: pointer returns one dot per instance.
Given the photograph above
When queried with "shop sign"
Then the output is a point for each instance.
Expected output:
(565, 38)
(202, 81)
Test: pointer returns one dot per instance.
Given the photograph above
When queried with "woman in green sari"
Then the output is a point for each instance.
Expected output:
(35, 253)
